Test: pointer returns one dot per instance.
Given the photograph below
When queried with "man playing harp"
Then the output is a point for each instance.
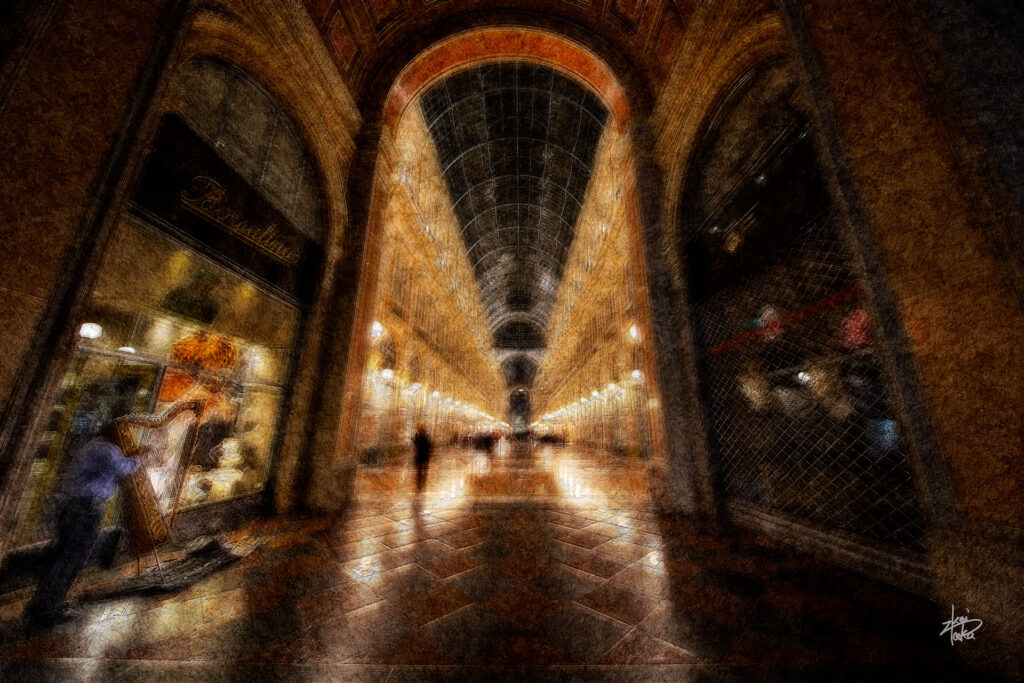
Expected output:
(89, 483)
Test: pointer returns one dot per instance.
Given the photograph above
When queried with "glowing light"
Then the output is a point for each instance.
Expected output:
(436, 394)
(634, 332)
(732, 242)
(611, 386)
(387, 373)
(594, 392)
(803, 377)
(204, 351)
(90, 331)
(126, 349)
(636, 375)
(376, 329)
(159, 334)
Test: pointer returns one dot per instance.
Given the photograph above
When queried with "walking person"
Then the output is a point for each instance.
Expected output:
(90, 481)
(422, 447)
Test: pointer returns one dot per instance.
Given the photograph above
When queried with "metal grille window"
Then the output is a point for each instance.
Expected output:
(795, 397)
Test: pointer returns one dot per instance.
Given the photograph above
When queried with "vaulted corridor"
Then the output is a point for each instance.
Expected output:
(516, 339)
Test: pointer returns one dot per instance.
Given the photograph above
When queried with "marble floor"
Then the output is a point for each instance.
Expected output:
(523, 565)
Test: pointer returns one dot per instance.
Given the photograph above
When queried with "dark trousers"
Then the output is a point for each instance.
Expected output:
(421, 473)
(77, 529)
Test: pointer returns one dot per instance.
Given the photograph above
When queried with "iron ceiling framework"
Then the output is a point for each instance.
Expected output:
(516, 142)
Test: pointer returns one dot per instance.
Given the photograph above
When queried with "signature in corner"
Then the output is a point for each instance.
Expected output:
(959, 628)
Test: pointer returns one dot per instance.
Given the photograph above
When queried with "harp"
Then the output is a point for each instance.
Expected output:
(149, 518)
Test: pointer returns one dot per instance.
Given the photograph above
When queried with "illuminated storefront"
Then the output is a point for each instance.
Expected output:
(200, 296)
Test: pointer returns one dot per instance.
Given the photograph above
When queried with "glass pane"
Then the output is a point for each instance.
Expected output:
(164, 325)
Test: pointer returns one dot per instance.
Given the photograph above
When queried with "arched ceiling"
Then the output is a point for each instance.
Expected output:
(516, 143)
(519, 370)
(370, 39)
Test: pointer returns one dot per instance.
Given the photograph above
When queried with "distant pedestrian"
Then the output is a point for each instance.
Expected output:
(90, 481)
(422, 447)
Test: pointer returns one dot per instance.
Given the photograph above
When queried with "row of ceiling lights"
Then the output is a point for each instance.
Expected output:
(376, 330)
(595, 395)
(608, 391)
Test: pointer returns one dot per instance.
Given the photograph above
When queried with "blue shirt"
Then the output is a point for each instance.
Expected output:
(95, 470)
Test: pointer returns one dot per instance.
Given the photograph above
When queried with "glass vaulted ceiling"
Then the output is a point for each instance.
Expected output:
(516, 143)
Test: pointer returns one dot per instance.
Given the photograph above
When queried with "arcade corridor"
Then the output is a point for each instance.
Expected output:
(523, 565)
(516, 339)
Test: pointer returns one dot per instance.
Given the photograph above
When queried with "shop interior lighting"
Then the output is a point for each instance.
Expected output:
(90, 331)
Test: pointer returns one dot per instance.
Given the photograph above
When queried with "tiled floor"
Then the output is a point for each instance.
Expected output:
(519, 566)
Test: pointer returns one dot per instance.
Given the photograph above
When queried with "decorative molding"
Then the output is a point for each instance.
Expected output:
(380, 26)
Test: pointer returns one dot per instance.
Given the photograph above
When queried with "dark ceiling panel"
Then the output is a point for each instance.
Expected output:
(516, 143)
(519, 370)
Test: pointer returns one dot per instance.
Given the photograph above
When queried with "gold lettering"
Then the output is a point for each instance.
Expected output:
(208, 199)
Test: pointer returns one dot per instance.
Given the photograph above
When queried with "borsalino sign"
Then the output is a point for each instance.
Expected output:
(187, 189)
(208, 198)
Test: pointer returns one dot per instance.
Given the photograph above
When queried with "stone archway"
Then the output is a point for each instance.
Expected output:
(461, 51)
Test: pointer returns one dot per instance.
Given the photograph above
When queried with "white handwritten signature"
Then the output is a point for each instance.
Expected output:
(959, 628)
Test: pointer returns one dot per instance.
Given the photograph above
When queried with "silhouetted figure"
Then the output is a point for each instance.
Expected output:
(422, 446)
(90, 481)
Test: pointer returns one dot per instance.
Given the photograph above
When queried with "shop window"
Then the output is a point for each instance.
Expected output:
(198, 297)
(796, 399)
(164, 325)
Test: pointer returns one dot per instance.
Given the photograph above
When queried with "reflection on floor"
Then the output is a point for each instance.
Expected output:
(535, 565)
